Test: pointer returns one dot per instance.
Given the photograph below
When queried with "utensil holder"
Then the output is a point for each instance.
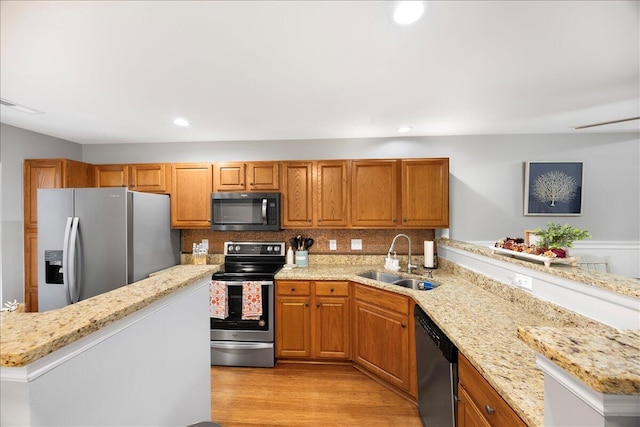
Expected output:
(302, 258)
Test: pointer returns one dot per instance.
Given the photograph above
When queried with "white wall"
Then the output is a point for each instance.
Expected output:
(16, 145)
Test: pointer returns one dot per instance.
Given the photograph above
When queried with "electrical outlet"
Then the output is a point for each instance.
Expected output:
(356, 244)
(333, 245)
(523, 282)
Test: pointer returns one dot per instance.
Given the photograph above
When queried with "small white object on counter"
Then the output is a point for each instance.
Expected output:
(429, 252)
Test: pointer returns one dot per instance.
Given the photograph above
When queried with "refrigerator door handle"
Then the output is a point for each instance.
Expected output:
(65, 259)
(74, 288)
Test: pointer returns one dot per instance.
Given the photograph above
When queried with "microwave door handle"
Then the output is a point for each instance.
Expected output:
(264, 211)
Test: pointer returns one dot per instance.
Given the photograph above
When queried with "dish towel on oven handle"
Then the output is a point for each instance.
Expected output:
(218, 298)
(251, 300)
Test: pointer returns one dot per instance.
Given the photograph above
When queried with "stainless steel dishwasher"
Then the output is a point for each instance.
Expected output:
(437, 367)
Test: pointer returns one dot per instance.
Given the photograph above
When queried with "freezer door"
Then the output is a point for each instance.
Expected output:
(54, 207)
(103, 251)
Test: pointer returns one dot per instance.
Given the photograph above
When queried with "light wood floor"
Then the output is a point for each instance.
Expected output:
(305, 395)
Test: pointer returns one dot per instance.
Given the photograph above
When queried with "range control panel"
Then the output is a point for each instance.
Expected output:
(254, 248)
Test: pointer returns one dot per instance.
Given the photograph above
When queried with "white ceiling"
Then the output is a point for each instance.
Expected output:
(121, 71)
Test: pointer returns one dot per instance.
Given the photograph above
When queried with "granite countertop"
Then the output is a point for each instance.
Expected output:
(613, 282)
(580, 352)
(484, 326)
(26, 337)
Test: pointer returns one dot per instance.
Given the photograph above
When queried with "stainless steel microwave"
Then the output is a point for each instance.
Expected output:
(235, 211)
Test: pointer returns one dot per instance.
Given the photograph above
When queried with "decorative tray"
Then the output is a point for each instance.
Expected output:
(531, 257)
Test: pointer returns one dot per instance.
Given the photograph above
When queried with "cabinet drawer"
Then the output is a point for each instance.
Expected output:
(385, 299)
(293, 288)
(485, 398)
(340, 289)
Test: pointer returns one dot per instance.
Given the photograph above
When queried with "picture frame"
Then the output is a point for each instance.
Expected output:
(530, 237)
(553, 188)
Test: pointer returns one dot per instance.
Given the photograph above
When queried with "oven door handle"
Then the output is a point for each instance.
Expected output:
(240, 345)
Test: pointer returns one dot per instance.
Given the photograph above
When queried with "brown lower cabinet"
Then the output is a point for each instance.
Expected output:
(319, 320)
(479, 404)
(383, 336)
(312, 320)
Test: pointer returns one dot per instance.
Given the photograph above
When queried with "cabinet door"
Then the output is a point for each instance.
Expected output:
(191, 185)
(78, 174)
(39, 174)
(149, 178)
(487, 402)
(293, 326)
(468, 413)
(263, 176)
(297, 194)
(111, 176)
(332, 327)
(332, 193)
(374, 192)
(31, 269)
(382, 343)
(229, 177)
(425, 193)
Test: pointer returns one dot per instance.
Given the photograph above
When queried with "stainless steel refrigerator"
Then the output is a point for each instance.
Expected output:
(94, 240)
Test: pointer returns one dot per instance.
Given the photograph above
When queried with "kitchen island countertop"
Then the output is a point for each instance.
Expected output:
(26, 337)
(484, 326)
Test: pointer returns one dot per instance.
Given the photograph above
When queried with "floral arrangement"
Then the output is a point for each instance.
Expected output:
(558, 237)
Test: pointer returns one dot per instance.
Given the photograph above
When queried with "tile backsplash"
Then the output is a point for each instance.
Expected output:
(374, 241)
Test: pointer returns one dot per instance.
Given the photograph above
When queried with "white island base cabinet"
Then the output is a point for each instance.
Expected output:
(150, 368)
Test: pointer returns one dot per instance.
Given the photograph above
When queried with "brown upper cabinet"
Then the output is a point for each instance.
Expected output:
(51, 173)
(315, 194)
(149, 177)
(297, 194)
(191, 184)
(256, 176)
(374, 193)
(425, 193)
(332, 193)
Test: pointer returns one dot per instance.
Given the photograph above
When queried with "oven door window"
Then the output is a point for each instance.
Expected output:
(235, 321)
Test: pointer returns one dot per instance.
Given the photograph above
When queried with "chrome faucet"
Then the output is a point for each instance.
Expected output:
(409, 265)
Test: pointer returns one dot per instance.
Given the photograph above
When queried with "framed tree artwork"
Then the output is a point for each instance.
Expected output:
(553, 188)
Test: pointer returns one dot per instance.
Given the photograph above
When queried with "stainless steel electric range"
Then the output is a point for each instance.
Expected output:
(239, 340)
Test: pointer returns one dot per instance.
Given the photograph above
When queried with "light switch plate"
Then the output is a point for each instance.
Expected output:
(356, 244)
(333, 245)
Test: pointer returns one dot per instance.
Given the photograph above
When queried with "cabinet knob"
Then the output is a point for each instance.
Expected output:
(306, 304)
(319, 220)
(293, 289)
(404, 219)
(309, 220)
(403, 325)
(317, 305)
(394, 220)
(331, 290)
(489, 409)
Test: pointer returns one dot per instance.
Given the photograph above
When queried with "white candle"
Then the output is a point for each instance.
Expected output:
(428, 254)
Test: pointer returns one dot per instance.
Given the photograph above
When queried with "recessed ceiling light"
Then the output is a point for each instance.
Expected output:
(181, 122)
(405, 129)
(407, 12)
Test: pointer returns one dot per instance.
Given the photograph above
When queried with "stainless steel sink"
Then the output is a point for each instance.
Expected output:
(380, 276)
(415, 284)
(392, 279)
